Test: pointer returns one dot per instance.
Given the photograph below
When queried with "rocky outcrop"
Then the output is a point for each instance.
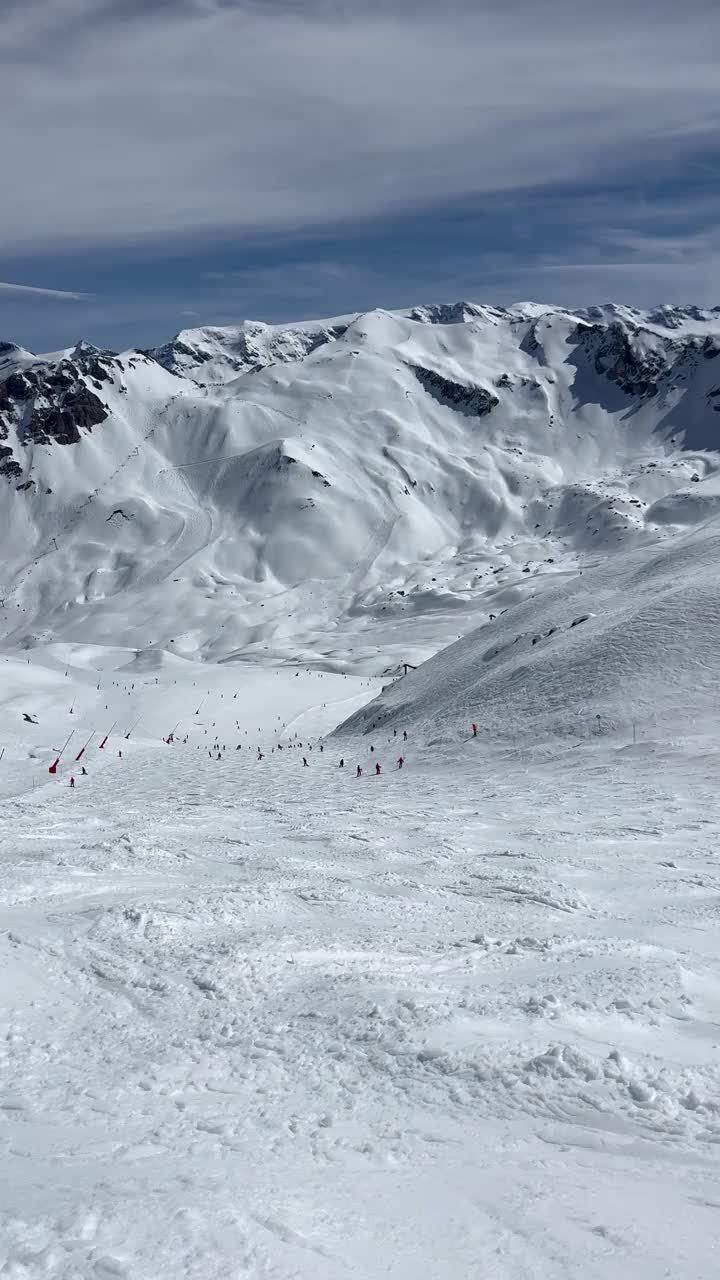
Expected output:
(43, 403)
(473, 401)
(635, 360)
(9, 468)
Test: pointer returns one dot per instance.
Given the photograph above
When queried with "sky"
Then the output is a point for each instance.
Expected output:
(172, 163)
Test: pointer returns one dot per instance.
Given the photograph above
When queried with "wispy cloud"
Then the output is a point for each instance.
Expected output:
(257, 114)
(33, 291)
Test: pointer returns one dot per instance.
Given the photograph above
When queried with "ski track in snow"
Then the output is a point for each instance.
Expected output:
(460, 1020)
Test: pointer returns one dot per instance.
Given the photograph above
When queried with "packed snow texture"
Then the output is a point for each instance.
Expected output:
(458, 1019)
(269, 1015)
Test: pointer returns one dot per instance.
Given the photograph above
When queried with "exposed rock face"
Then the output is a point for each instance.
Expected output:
(9, 468)
(635, 361)
(52, 403)
(473, 401)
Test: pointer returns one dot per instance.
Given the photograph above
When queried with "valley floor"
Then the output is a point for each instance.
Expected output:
(459, 1021)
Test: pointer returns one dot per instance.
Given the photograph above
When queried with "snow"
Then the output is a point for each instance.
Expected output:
(633, 640)
(308, 511)
(265, 1020)
(461, 1019)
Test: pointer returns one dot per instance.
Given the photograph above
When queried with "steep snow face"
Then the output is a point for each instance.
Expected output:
(374, 487)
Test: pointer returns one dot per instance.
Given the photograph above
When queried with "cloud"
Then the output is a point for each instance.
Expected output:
(32, 291)
(150, 118)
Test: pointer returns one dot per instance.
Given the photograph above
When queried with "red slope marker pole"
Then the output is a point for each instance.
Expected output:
(107, 735)
(82, 750)
(54, 766)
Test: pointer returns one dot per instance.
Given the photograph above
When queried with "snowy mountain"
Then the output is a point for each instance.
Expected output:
(283, 998)
(354, 492)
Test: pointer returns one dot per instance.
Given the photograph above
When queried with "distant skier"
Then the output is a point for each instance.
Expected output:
(404, 735)
(474, 729)
(83, 771)
(359, 772)
(305, 763)
(342, 764)
(27, 718)
(401, 761)
(72, 783)
(377, 768)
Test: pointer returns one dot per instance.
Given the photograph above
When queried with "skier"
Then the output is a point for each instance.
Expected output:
(83, 771)
(359, 772)
(401, 761)
(474, 729)
(72, 783)
(404, 735)
(342, 763)
(377, 769)
(305, 763)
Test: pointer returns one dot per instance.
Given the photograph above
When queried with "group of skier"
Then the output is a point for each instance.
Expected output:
(216, 753)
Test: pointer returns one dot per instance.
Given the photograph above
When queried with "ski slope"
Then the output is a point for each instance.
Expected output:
(263, 1020)
(266, 1016)
(631, 641)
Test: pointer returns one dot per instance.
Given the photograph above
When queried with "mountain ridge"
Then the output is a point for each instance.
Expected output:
(360, 489)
